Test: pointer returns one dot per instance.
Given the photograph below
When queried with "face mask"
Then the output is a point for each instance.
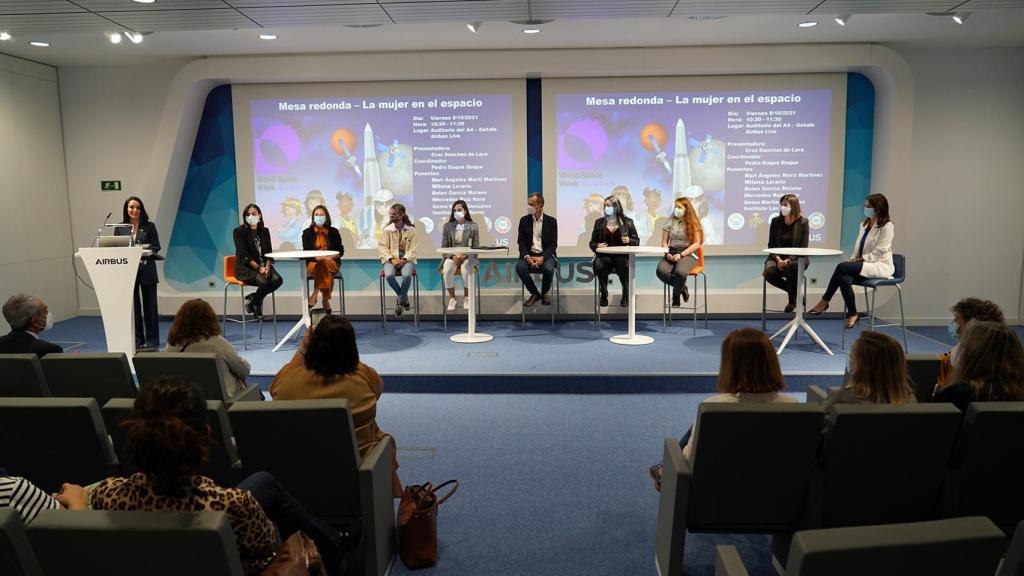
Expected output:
(319, 220)
(953, 330)
(785, 210)
(49, 321)
(678, 212)
(460, 215)
(530, 210)
(252, 220)
(869, 212)
(609, 211)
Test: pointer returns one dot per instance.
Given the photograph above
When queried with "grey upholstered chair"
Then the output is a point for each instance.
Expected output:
(304, 442)
(16, 555)
(223, 466)
(132, 543)
(55, 440)
(923, 370)
(97, 375)
(1013, 564)
(21, 376)
(742, 453)
(205, 369)
(951, 547)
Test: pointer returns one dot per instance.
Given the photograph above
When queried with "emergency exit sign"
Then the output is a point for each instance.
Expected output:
(110, 185)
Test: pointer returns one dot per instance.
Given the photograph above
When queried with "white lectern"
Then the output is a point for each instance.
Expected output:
(113, 272)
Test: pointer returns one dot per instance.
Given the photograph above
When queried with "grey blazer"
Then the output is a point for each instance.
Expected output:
(470, 235)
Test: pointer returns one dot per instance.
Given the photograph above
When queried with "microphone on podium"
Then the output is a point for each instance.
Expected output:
(99, 231)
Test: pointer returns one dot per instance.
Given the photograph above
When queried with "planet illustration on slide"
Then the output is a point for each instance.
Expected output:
(343, 141)
(653, 136)
(707, 164)
(276, 149)
(396, 169)
(582, 144)
(428, 224)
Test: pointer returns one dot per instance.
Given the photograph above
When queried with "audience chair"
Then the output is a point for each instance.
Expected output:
(223, 465)
(415, 299)
(444, 296)
(924, 370)
(1013, 564)
(666, 296)
(816, 394)
(986, 474)
(898, 276)
(937, 548)
(16, 555)
(205, 369)
(118, 543)
(21, 376)
(305, 443)
(98, 375)
(55, 440)
(230, 280)
(741, 453)
(556, 309)
(339, 279)
(764, 303)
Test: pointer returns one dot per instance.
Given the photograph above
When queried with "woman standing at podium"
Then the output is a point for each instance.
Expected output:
(143, 232)
(252, 244)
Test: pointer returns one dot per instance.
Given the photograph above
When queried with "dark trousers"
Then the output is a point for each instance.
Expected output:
(264, 284)
(686, 438)
(290, 516)
(783, 278)
(147, 319)
(675, 274)
(843, 277)
(603, 266)
(547, 269)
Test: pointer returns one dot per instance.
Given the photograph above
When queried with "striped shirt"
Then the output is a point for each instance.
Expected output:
(25, 497)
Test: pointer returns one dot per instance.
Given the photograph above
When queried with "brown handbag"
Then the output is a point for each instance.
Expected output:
(417, 523)
(297, 556)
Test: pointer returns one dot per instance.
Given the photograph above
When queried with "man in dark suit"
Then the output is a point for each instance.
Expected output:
(538, 239)
(27, 316)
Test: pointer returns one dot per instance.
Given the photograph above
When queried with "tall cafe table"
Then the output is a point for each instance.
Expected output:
(632, 338)
(301, 256)
(798, 318)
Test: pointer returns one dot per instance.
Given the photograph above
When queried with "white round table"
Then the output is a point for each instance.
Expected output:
(632, 338)
(468, 276)
(304, 290)
(798, 319)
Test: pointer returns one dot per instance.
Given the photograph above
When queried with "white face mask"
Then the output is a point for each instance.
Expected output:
(785, 210)
(252, 219)
(49, 321)
(319, 220)
(460, 215)
(678, 212)
(530, 210)
(609, 211)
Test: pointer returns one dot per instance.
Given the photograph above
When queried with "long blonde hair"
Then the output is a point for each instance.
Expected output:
(693, 229)
(879, 370)
(991, 360)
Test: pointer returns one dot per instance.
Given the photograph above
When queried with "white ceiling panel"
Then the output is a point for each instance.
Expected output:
(42, 24)
(130, 6)
(37, 7)
(544, 9)
(983, 4)
(729, 7)
(214, 19)
(242, 4)
(884, 6)
(350, 14)
(458, 11)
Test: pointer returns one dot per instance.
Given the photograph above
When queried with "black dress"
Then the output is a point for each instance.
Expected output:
(251, 248)
(147, 317)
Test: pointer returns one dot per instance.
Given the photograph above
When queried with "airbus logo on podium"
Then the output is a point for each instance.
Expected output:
(111, 261)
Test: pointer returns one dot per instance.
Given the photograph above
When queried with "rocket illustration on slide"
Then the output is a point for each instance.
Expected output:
(661, 156)
(371, 184)
(680, 163)
(350, 160)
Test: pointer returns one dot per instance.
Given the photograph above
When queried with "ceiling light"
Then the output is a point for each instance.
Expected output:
(115, 38)
(145, 1)
(268, 36)
(961, 17)
(135, 37)
(474, 27)
(39, 43)
(531, 30)
(842, 20)
(5, 36)
(808, 24)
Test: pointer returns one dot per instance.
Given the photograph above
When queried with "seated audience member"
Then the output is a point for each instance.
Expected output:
(24, 496)
(195, 329)
(27, 317)
(749, 373)
(963, 312)
(988, 368)
(326, 365)
(168, 440)
(878, 373)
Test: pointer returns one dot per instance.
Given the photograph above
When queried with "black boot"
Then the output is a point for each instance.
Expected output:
(678, 285)
(604, 295)
(625, 297)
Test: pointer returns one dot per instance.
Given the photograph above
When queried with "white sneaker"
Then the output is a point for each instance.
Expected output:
(451, 304)
(465, 306)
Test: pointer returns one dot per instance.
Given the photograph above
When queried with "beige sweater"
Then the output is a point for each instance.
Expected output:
(394, 243)
(237, 368)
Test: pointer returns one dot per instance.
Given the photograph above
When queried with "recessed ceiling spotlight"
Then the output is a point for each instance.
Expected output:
(842, 20)
(532, 26)
(135, 37)
(115, 37)
(145, 1)
(961, 17)
(808, 24)
(706, 17)
(474, 27)
(531, 30)
(5, 36)
(268, 36)
(39, 43)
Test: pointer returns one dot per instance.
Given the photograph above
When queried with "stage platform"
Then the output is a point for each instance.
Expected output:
(573, 357)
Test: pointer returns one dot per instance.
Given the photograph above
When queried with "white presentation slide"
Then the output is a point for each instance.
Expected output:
(732, 145)
(358, 148)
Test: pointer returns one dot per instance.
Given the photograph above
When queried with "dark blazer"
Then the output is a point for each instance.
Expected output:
(21, 342)
(548, 236)
(800, 232)
(333, 240)
(245, 247)
(147, 234)
(601, 227)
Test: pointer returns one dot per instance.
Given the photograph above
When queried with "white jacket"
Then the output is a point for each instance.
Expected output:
(877, 252)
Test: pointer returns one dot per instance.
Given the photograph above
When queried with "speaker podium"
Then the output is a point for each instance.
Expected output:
(113, 272)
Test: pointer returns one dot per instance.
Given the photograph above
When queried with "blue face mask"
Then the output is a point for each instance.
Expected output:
(609, 211)
(319, 220)
(869, 212)
(252, 220)
(953, 330)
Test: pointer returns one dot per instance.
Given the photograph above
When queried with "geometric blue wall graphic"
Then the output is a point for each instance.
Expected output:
(860, 136)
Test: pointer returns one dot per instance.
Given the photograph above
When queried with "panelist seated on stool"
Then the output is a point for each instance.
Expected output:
(538, 240)
(460, 230)
(322, 236)
(614, 229)
(397, 251)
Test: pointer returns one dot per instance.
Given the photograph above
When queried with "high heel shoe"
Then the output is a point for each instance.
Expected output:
(851, 321)
(814, 312)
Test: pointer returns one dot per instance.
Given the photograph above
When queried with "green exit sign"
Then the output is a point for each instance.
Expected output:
(110, 185)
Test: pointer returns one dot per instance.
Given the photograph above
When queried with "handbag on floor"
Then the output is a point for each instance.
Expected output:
(417, 523)
(297, 556)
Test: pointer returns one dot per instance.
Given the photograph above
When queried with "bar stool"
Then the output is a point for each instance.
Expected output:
(899, 275)
(558, 285)
(230, 280)
(415, 298)
(597, 307)
(340, 279)
(666, 295)
(444, 295)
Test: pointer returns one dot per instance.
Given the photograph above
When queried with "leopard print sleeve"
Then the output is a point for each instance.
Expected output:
(255, 534)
